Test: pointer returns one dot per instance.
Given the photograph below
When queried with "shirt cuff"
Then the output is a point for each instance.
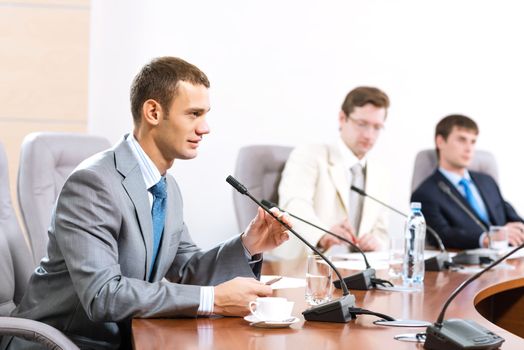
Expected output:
(251, 259)
(207, 301)
(481, 239)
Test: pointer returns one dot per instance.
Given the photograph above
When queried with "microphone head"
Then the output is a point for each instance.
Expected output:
(444, 187)
(269, 204)
(236, 185)
(358, 190)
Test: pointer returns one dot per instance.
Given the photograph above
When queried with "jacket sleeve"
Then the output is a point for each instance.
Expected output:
(297, 195)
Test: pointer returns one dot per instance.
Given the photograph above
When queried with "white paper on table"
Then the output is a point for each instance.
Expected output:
(406, 289)
(360, 264)
(469, 269)
(377, 260)
(285, 282)
(355, 261)
(517, 255)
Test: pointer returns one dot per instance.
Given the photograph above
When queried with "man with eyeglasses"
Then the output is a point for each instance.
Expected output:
(317, 178)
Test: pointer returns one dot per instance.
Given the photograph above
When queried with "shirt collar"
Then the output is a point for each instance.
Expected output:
(348, 156)
(150, 172)
(455, 178)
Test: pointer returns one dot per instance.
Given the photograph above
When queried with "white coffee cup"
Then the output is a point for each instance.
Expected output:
(271, 308)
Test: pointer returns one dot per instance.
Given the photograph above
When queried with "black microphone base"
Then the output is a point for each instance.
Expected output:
(455, 334)
(332, 311)
(359, 281)
(474, 257)
(438, 262)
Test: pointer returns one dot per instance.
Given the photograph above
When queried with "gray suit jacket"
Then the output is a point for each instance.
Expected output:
(94, 279)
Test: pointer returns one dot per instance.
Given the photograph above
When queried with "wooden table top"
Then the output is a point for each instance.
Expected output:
(235, 332)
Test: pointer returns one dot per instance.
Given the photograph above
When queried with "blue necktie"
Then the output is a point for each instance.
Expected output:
(158, 212)
(471, 200)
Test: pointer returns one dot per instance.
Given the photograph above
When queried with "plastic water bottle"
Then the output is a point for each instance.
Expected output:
(414, 241)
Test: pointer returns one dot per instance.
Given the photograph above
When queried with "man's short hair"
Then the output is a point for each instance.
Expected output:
(158, 80)
(446, 125)
(363, 95)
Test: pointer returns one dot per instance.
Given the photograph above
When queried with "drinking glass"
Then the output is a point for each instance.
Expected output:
(319, 276)
(498, 238)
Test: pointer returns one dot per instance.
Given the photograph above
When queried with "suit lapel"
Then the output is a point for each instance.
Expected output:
(339, 175)
(135, 187)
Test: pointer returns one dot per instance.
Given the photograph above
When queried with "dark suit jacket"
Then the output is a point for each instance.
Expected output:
(95, 278)
(453, 225)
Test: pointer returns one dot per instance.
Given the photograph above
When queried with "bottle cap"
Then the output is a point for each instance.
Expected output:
(416, 205)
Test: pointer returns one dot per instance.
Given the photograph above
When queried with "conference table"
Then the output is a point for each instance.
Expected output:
(495, 301)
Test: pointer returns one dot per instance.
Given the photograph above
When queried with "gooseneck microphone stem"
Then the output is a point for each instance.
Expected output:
(447, 190)
(431, 230)
(271, 204)
(339, 310)
(437, 238)
(364, 194)
(463, 334)
(468, 281)
(243, 190)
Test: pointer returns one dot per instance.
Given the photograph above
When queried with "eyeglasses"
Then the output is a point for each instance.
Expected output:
(364, 126)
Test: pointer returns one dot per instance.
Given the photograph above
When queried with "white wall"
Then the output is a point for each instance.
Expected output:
(280, 69)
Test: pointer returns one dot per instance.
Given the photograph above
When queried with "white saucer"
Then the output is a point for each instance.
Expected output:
(254, 321)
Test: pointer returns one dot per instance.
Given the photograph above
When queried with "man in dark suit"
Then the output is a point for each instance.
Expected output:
(118, 246)
(455, 138)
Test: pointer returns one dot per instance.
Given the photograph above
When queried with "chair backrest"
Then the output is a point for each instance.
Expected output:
(36, 332)
(426, 162)
(259, 168)
(16, 263)
(46, 160)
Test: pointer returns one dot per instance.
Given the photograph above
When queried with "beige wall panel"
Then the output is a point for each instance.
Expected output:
(44, 56)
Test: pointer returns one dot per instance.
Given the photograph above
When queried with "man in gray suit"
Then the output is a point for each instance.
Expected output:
(118, 246)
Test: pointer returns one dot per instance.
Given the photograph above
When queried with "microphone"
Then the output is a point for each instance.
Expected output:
(438, 262)
(363, 280)
(333, 311)
(463, 334)
(447, 190)
(473, 256)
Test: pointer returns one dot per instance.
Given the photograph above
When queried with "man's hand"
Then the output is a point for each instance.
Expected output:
(232, 297)
(369, 242)
(343, 229)
(265, 233)
(515, 233)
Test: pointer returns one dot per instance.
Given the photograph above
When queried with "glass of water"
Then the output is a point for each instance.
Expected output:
(498, 238)
(396, 255)
(319, 278)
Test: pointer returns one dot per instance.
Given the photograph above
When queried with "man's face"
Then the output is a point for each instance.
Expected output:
(179, 132)
(457, 151)
(360, 130)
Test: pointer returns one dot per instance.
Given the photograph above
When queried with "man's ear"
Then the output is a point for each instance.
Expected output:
(152, 112)
(342, 118)
(439, 141)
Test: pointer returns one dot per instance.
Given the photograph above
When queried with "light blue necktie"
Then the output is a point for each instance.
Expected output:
(472, 201)
(158, 212)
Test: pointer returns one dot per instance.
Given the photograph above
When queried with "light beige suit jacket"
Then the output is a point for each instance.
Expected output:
(315, 186)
